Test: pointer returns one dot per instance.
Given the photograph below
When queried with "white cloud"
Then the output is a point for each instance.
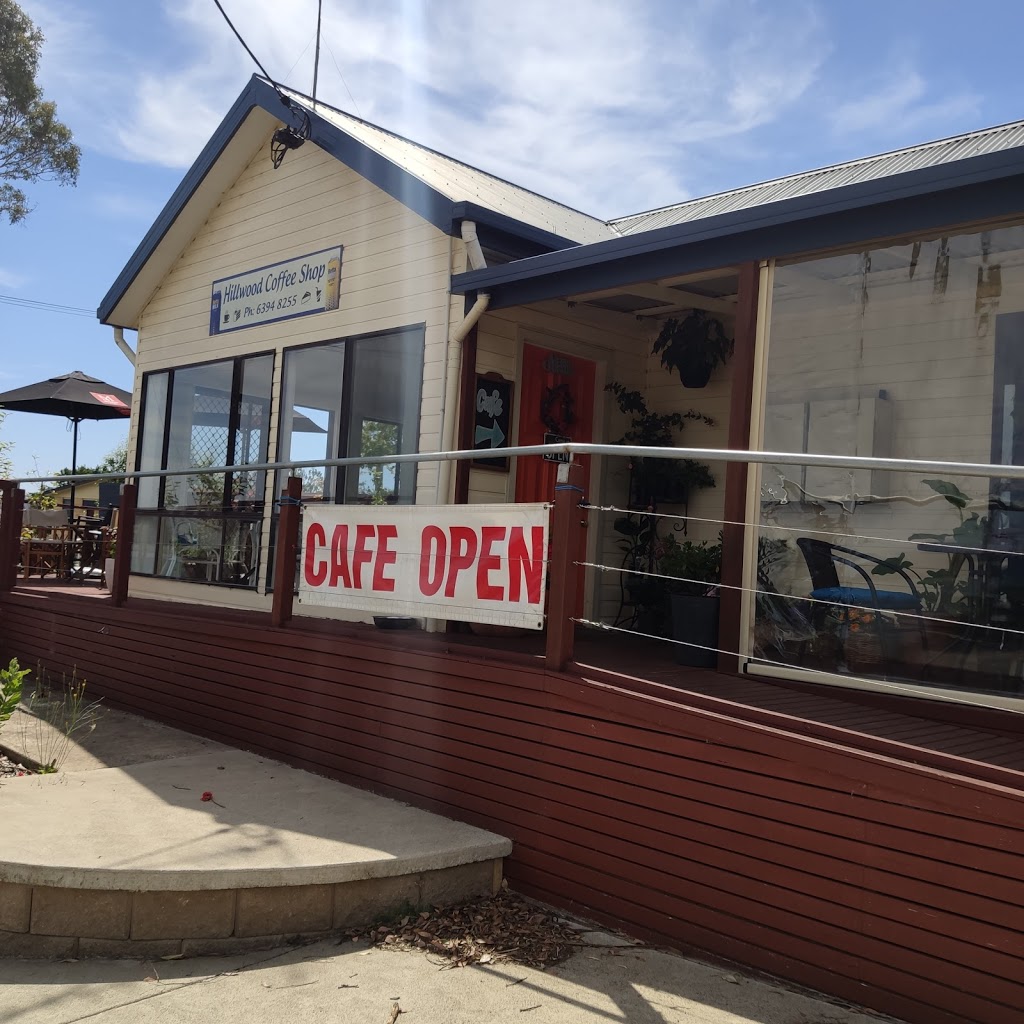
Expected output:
(900, 101)
(593, 102)
(12, 281)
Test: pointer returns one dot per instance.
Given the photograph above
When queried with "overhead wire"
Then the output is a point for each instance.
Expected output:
(238, 35)
(52, 307)
(343, 82)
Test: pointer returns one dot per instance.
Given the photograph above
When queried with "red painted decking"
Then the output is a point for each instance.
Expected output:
(809, 839)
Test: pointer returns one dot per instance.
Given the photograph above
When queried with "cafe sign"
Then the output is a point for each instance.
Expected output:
(479, 563)
(280, 291)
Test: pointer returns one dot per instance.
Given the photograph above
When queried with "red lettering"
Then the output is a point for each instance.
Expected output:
(361, 554)
(433, 553)
(339, 556)
(488, 563)
(524, 565)
(315, 573)
(464, 545)
(385, 556)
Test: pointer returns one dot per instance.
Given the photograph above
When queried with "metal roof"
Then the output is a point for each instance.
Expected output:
(462, 183)
(930, 154)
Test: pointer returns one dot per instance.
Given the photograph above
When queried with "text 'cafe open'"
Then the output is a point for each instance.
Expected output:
(421, 559)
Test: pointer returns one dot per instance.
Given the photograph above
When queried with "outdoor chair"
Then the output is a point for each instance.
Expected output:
(90, 534)
(829, 593)
(45, 551)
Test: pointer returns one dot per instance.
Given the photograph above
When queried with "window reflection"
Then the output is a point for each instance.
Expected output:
(913, 351)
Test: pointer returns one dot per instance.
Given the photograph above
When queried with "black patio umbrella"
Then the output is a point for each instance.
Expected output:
(74, 395)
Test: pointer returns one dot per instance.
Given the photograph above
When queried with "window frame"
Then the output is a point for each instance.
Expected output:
(224, 513)
(351, 342)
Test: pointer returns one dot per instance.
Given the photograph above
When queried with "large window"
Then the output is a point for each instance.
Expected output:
(203, 525)
(359, 397)
(909, 350)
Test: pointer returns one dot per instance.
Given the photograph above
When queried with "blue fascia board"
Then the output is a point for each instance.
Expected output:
(543, 241)
(253, 95)
(976, 188)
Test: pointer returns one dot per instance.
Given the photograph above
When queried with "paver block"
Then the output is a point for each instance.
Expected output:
(233, 944)
(370, 899)
(283, 909)
(37, 946)
(15, 906)
(208, 914)
(86, 913)
(458, 884)
(129, 949)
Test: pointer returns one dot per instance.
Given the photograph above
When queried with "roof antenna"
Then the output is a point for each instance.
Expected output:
(316, 57)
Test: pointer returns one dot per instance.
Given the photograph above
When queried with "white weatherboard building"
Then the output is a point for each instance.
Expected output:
(370, 296)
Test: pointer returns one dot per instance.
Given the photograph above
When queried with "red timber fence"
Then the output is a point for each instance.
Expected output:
(892, 885)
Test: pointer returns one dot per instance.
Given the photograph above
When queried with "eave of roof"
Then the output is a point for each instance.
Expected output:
(974, 188)
(253, 115)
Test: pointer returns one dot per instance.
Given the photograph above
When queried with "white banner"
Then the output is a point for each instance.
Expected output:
(297, 287)
(473, 563)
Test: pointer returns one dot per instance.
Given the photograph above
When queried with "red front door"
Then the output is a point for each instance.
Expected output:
(556, 403)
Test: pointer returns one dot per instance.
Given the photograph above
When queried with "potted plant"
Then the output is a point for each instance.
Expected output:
(693, 346)
(693, 572)
(657, 481)
(108, 563)
(643, 588)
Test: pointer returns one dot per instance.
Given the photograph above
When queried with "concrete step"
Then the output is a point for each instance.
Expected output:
(132, 861)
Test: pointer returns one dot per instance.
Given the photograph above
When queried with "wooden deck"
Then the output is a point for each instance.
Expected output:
(871, 853)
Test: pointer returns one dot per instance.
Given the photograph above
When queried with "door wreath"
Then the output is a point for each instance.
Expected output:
(558, 409)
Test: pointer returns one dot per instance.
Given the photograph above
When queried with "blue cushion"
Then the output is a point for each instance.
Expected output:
(892, 599)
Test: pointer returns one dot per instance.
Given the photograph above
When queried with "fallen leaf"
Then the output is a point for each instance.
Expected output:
(173, 956)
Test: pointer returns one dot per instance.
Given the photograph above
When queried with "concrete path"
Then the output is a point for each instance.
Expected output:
(331, 984)
(126, 813)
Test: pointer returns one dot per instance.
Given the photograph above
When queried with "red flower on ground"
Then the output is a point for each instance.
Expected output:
(206, 796)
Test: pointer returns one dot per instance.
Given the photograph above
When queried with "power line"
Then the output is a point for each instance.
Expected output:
(52, 307)
(245, 46)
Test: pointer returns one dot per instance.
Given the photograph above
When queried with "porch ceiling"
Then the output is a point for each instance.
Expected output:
(714, 291)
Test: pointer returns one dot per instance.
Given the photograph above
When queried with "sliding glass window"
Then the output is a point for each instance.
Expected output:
(358, 397)
(204, 525)
(909, 350)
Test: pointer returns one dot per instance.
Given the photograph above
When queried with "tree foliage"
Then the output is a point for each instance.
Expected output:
(34, 145)
(116, 461)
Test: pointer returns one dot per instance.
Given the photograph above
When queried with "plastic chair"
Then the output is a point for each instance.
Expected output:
(823, 559)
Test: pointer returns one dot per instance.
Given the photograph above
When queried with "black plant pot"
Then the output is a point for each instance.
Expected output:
(695, 621)
(695, 376)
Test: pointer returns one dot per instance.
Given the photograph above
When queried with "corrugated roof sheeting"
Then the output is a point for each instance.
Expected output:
(931, 154)
(462, 183)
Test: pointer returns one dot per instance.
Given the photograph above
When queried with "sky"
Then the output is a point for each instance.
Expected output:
(610, 106)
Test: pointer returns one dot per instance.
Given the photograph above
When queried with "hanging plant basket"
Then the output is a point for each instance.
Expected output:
(693, 346)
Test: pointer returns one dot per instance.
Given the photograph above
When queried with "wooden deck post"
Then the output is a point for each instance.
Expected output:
(125, 538)
(568, 521)
(742, 393)
(286, 548)
(10, 532)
